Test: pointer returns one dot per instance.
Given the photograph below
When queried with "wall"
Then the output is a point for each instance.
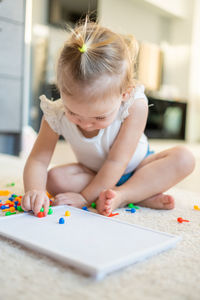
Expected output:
(130, 17)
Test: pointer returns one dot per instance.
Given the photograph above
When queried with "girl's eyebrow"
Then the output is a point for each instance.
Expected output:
(103, 115)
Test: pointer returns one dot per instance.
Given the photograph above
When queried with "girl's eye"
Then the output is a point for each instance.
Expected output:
(71, 113)
(100, 118)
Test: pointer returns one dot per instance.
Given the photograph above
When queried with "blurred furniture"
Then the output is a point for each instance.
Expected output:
(12, 19)
(166, 119)
(150, 65)
(61, 12)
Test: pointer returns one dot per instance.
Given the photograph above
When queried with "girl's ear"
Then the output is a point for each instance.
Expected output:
(126, 94)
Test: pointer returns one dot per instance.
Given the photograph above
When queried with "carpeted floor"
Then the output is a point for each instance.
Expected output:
(174, 274)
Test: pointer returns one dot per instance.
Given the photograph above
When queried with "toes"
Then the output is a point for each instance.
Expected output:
(102, 195)
(107, 194)
(110, 194)
(106, 212)
(105, 202)
(168, 202)
(108, 202)
(168, 199)
(108, 208)
(171, 202)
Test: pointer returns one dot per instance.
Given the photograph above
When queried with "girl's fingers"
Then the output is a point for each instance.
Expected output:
(32, 200)
(46, 206)
(26, 203)
(38, 204)
(22, 203)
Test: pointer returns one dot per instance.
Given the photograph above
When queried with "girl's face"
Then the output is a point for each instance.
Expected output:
(91, 114)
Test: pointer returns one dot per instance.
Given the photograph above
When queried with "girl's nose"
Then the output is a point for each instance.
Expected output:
(86, 123)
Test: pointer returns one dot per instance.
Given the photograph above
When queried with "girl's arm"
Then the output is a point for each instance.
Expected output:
(121, 151)
(35, 170)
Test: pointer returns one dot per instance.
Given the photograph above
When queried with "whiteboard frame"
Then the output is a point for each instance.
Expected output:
(86, 268)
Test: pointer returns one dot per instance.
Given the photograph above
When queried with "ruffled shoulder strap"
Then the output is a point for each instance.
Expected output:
(137, 93)
(53, 112)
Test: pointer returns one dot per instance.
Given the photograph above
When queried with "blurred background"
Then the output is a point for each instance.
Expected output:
(32, 32)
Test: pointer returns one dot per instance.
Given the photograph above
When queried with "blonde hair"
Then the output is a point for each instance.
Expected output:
(93, 51)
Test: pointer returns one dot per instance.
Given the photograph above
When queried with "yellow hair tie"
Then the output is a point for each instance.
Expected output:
(83, 48)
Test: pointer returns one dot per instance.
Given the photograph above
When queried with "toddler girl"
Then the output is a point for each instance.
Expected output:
(102, 113)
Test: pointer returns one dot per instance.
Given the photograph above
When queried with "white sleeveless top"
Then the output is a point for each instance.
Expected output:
(92, 152)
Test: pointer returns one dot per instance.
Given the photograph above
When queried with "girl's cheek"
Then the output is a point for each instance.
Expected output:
(103, 124)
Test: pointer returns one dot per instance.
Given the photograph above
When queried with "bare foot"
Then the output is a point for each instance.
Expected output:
(108, 201)
(73, 199)
(159, 201)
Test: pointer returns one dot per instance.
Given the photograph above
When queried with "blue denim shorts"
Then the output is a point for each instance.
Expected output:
(125, 177)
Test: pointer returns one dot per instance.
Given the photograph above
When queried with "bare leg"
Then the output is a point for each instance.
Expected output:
(64, 182)
(156, 174)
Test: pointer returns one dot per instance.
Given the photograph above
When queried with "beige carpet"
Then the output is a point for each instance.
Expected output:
(174, 274)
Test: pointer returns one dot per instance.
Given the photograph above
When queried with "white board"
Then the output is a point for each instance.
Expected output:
(92, 243)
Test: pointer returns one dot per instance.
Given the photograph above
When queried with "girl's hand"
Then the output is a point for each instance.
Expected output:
(34, 200)
(73, 199)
